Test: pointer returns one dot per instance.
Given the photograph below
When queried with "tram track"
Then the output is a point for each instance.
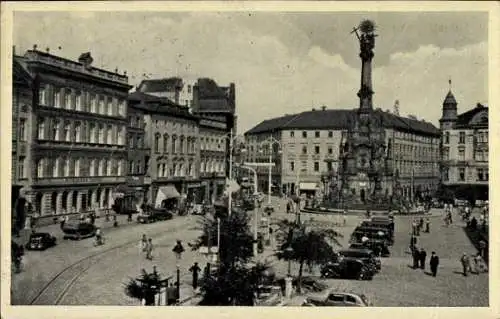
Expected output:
(54, 291)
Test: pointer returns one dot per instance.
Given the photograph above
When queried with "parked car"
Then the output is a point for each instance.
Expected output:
(40, 241)
(145, 218)
(74, 229)
(379, 247)
(332, 298)
(367, 256)
(268, 295)
(348, 269)
(372, 233)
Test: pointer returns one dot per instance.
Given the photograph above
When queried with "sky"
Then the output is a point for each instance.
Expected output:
(282, 63)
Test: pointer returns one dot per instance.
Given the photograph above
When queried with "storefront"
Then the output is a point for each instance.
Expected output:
(308, 188)
(167, 196)
(194, 192)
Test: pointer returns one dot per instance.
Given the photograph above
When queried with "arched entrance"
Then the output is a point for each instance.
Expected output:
(65, 200)
(362, 195)
(53, 202)
(74, 200)
(98, 197)
(38, 203)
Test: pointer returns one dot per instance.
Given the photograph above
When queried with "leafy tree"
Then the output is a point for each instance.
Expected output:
(309, 246)
(145, 287)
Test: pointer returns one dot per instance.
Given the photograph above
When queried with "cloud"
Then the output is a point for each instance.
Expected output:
(276, 66)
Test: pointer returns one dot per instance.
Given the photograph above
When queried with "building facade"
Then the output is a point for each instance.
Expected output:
(465, 151)
(73, 154)
(311, 146)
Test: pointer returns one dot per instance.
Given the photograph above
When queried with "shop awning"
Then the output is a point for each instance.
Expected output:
(166, 192)
(308, 186)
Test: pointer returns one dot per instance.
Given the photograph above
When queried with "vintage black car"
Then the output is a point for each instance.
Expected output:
(153, 215)
(347, 268)
(367, 256)
(40, 241)
(377, 233)
(74, 229)
(379, 247)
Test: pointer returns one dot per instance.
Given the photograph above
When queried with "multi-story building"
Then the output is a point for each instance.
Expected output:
(171, 133)
(213, 151)
(464, 166)
(70, 151)
(310, 144)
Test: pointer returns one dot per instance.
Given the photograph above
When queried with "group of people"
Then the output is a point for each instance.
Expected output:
(473, 264)
(419, 255)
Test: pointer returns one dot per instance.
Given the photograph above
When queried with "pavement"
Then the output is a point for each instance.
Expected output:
(396, 285)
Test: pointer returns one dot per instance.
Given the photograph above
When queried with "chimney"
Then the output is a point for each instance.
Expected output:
(479, 106)
(323, 108)
(86, 59)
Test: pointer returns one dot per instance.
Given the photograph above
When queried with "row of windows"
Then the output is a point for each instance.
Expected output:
(175, 144)
(135, 168)
(74, 167)
(212, 166)
(212, 144)
(317, 134)
(72, 99)
(415, 151)
(291, 164)
(480, 137)
(174, 125)
(136, 121)
(482, 174)
(136, 141)
(177, 170)
(80, 132)
(480, 155)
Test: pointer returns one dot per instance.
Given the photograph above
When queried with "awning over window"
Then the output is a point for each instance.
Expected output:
(166, 192)
(308, 186)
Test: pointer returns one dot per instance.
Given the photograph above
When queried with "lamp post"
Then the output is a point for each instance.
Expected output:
(255, 226)
(288, 279)
(231, 146)
(178, 250)
(270, 142)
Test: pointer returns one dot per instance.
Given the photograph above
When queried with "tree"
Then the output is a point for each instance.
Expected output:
(145, 287)
(309, 246)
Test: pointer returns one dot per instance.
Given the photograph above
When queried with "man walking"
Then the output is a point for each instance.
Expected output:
(416, 256)
(434, 263)
(413, 242)
(422, 257)
(195, 269)
(427, 225)
(149, 249)
(465, 264)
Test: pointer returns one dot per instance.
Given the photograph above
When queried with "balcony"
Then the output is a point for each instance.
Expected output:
(48, 181)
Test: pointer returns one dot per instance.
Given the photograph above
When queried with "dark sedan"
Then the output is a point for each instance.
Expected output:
(40, 241)
(367, 256)
(348, 269)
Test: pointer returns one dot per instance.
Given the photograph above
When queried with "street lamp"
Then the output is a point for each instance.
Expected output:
(271, 141)
(255, 230)
(178, 250)
(288, 253)
(231, 146)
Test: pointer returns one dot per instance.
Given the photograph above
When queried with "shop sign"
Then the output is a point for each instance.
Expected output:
(194, 185)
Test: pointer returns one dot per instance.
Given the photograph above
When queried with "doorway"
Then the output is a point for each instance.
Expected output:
(362, 195)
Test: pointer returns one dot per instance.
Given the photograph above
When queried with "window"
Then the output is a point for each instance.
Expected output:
(66, 135)
(304, 149)
(461, 174)
(157, 143)
(109, 135)
(54, 132)
(304, 134)
(92, 167)
(108, 167)
(57, 98)
(120, 167)
(190, 169)
(461, 138)
(330, 150)
(78, 132)
(330, 134)
(93, 103)
(446, 153)
(77, 167)
(189, 88)
(176, 172)
(316, 134)
(316, 166)
(121, 135)
(174, 141)
(329, 166)
(92, 133)
(480, 174)
(22, 129)
(165, 143)
(181, 144)
(101, 168)
(41, 129)
(67, 99)
(20, 168)
(292, 166)
(292, 134)
(66, 167)
(446, 138)
(316, 149)
(40, 167)
(461, 154)
(109, 106)
(42, 95)
(101, 105)
(78, 101)
(101, 134)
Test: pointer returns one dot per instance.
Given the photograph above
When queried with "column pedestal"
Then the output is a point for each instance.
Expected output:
(288, 287)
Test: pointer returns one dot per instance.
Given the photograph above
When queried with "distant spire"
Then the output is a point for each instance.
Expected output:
(449, 82)
(396, 107)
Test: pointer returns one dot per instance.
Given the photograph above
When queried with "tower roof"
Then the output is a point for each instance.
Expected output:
(450, 99)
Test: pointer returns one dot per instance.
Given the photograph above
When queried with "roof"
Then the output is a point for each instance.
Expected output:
(338, 120)
(465, 118)
(450, 99)
(208, 89)
(161, 85)
(157, 104)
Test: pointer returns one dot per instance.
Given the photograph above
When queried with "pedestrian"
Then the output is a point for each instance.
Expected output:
(178, 249)
(482, 249)
(434, 263)
(129, 216)
(473, 223)
(421, 223)
(288, 208)
(464, 260)
(106, 215)
(143, 244)
(415, 254)
(63, 221)
(115, 221)
(414, 227)
(427, 225)
(149, 249)
(206, 271)
(92, 218)
(82, 217)
(344, 218)
(195, 269)
(413, 242)
(422, 257)
(480, 264)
